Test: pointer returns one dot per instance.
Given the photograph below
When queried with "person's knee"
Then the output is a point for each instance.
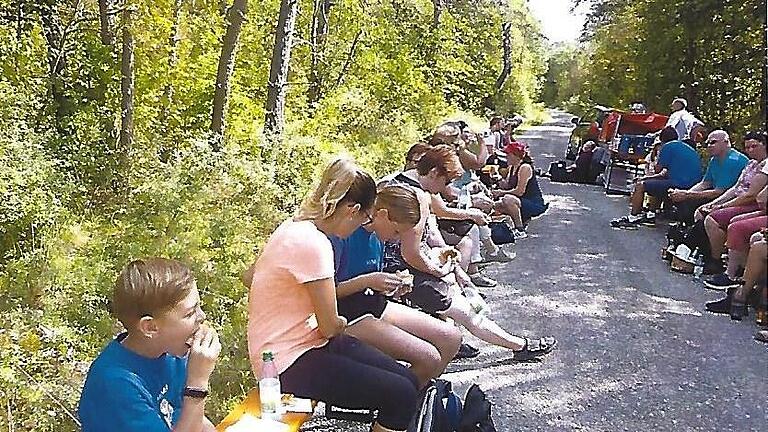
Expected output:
(399, 401)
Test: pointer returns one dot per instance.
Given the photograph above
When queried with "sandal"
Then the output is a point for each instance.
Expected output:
(762, 336)
(535, 348)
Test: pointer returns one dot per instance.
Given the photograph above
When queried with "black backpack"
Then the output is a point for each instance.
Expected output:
(476, 416)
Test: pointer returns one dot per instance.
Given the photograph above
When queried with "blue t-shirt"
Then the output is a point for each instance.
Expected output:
(682, 163)
(724, 173)
(360, 253)
(126, 392)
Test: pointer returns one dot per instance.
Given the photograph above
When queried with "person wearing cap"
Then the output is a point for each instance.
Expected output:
(677, 166)
(521, 196)
(681, 119)
(724, 168)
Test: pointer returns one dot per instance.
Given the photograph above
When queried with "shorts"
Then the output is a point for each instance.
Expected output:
(430, 293)
(530, 208)
(723, 216)
(360, 305)
(658, 188)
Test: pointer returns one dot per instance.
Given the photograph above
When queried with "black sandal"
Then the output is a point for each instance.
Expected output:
(535, 348)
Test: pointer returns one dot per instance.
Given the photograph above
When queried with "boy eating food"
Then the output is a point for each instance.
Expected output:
(153, 377)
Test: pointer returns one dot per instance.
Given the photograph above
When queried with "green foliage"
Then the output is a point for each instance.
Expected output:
(710, 52)
(75, 206)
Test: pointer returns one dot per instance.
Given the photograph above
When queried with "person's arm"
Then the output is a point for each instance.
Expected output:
(379, 281)
(442, 211)
(202, 359)
(471, 161)
(322, 293)
(410, 243)
(758, 183)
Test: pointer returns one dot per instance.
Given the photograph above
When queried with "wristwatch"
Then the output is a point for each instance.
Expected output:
(196, 392)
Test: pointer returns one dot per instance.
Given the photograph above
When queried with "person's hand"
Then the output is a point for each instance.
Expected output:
(639, 179)
(478, 216)
(203, 352)
(384, 282)
(705, 209)
(677, 195)
(482, 202)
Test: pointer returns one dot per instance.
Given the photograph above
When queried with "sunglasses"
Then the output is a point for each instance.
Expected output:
(368, 219)
(711, 142)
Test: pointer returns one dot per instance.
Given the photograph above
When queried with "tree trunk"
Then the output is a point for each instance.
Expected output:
(173, 60)
(319, 33)
(126, 83)
(57, 59)
(278, 72)
(107, 22)
(506, 44)
(235, 19)
(436, 12)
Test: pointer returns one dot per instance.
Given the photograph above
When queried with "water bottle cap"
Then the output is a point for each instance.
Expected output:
(267, 356)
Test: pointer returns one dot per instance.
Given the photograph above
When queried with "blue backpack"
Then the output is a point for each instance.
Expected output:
(440, 409)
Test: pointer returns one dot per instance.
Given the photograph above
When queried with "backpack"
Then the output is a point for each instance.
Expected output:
(558, 172)
(476, 416)
(501, 233)
(440, 409)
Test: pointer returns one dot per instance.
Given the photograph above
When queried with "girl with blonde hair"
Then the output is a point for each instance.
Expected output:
(292, 308)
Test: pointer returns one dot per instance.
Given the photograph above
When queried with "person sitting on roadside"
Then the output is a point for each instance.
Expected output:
(678, 166)
(582, 170)
(436, 290)
(364, 291)
(726, 169)
(732, 226)
(519, 196)
(292, 309)
(739, 199)
(751, 255)
(460, 228)
(154, 376)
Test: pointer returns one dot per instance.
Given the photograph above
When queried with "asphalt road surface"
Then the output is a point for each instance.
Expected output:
(637, 351)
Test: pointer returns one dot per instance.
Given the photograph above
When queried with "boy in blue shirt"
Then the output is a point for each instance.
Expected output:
(154, 377)
(678, 166)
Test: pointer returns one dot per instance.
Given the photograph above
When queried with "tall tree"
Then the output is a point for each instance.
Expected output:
(106, 21)
(278, 71)
(318, 35)
(127, 81)
(235, 19)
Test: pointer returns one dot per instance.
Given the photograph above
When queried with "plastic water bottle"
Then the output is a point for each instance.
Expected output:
(269, 388)
(479, 306)
(698, 267)
(465, 200)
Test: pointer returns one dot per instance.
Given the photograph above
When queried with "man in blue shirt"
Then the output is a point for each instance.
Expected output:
(725, 166)
(678, 166)
(154, 377)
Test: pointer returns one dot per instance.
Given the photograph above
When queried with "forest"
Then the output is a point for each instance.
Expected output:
(191, 128)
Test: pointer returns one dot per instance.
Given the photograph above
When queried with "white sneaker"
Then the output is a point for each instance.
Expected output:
(500, 256)
(519, 234)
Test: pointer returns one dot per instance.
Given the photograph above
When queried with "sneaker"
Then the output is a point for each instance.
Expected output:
(649, 219)
(466, 351)
(500, 256)
(722, 306)
(721, 282)
(519, 234)
(627, 222)
(482, 281)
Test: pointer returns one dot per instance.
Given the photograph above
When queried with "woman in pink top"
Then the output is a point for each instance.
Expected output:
(292, 308)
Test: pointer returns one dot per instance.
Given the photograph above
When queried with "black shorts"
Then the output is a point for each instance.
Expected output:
(430, 293)
(360, 305)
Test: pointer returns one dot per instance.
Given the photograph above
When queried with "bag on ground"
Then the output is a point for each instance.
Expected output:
(440, 409)
(476, 416)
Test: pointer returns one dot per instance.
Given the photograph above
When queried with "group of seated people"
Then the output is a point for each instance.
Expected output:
(723, 212)
(359, 295)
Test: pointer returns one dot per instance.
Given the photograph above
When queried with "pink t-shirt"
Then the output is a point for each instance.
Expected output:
(280, 312)
(747, 174)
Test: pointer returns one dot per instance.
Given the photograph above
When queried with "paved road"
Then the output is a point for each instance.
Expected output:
(637, 352)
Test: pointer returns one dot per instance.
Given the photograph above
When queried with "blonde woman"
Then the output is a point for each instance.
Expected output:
(293, 312)
(364, 291)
